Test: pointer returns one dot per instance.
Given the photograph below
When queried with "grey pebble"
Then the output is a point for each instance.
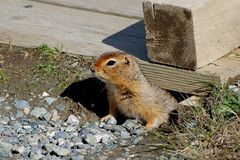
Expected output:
(61, 141)
(38, 111)
(71, 128)
(72, 120)
(82, 146)
(89, 128)
(112, 121)
(137, 140)
(5, 150)
(26, 127)
(19, 114)
(7, 133)
(90, 139)
(12, 117)
(60, 107)
(111, 145)
(47, 116)
(34, 125)
(17, 126)
(43, 138)
(125, 135)
(131, 124)
(76, 139)
(106, 140)
(4, 120)
(21, 104)
(117, 134)
(55, 115)
(36, 154)
(50, 100)
(12, 140)
(114, 128)
(57, 150)
(50, 137)
(101, 124)
(139, 131)
(107, 136)
(32, 139)
(60, 134)
(19, 149)
(77, 157)
(2, 99)
(82, 151)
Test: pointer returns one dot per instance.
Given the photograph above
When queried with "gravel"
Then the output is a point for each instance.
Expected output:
(21, 104)
(72, 120)
(38, 112)
(5, 150)
(38, 132)
(50, 100)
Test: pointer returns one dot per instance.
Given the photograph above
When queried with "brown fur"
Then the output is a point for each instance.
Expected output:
(129, 91)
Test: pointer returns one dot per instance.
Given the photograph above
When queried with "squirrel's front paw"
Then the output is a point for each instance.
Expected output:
(106, 118)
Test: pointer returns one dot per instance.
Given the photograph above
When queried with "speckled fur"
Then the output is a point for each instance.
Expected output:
(129, 91)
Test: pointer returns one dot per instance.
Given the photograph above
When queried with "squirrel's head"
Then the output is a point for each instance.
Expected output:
(115, 67)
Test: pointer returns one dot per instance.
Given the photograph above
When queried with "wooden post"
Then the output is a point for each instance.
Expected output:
(191, 34)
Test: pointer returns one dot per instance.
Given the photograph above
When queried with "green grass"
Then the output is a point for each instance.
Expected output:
(52, 65)
(49, 65)
(224, 102)
(48, 68)
(210, 131)
(3, 76)
(47, 52)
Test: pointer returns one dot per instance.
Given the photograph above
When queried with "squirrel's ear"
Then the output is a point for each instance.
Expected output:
(127, 60)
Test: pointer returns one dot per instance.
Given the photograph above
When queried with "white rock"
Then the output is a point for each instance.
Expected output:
(112, 121)
(26, 110)
(45, 94)
(55, 115)
(61, 141)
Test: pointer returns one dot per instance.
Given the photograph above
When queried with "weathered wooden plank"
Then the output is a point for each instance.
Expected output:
(90, 34)
(191, 34)
(176, 79)
(225, 68)
(77, 31)
(125, 8)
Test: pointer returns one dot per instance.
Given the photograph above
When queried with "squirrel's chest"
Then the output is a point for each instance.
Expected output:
(124, 99)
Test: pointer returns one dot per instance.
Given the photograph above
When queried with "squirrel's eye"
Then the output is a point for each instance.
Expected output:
(111, 62)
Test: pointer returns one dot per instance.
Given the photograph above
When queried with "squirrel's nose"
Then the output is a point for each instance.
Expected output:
(92, 69)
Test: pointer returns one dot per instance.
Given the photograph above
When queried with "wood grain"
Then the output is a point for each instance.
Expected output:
(177, 79)
(171, 30)
(191, 34)
(225, 68)
(78, 31)
(124, 8)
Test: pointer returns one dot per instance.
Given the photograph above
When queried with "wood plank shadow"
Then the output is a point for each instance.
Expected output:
(131, 40)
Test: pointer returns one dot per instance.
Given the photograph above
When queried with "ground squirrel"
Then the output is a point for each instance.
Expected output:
(129, 91)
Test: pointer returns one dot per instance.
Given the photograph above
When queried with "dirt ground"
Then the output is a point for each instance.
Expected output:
(27, 73)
